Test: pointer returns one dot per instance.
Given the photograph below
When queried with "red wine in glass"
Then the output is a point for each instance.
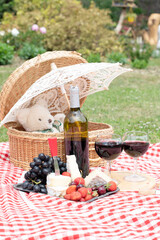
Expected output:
(135, 148)
(109, 149)
(135, 144)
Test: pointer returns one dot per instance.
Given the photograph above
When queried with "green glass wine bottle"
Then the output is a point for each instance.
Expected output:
(76, 133)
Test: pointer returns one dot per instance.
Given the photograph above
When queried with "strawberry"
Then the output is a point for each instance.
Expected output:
(67, 196)
(88, 197)
(66, 174)
(83, 191)
(79, 180)
(111, 186)
(95, 194)
(82, 199)
(71, 189)
(89, 191)
(75, 196)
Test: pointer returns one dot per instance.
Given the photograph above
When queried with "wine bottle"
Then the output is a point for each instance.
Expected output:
(76, 133)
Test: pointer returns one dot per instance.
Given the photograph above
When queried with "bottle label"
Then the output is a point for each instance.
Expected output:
(76, 135)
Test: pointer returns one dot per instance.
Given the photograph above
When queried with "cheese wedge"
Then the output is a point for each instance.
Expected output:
(58, 181)
(72, 167)
(57, 185)
(56, 191)
(96, 178)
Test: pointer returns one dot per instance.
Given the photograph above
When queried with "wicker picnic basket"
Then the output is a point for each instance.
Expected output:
(24, 146)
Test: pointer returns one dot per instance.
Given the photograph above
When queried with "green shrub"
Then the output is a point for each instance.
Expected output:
(69, 25)
(6, 6)
(156, 53)
(6, 53)
(94, 57)
(141, 53)
(117, 57)
(104, 4)
(12, 40)
(85, 3)
(138, 54)
(139, 63)
(74, 30)
(107, 4)
(29, 36)
(30, 50)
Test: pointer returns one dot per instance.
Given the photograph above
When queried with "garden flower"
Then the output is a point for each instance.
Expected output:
(2, 33)
(43, 30)
(15, 32)
(35, 27)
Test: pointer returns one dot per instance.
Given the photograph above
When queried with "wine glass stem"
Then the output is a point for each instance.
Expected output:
(135, 166)
(108, 165)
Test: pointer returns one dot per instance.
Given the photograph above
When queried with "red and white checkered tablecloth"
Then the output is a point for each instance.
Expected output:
(124, 215)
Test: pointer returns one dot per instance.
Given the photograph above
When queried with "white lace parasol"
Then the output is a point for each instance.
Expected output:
(54, 86)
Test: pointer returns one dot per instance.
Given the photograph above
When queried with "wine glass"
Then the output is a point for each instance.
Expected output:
(135, 144)
(108, 149)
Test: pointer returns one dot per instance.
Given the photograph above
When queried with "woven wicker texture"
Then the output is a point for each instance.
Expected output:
(24, 146)
(24, 76)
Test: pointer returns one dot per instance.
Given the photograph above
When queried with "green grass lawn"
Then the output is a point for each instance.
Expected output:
(132, 102)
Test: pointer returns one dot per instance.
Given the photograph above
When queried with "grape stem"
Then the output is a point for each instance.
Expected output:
(36, 182)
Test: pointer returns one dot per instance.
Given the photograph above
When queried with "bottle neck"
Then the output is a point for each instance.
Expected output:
(75, 109)
(74, 98)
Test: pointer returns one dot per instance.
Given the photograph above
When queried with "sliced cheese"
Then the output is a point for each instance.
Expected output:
(56, 191)
(72, 167)
(58, 181)
(96, 178)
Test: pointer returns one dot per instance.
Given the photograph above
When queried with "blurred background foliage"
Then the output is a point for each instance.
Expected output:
(104, 4)
(6, 6)
(86, 26)
(69, 25)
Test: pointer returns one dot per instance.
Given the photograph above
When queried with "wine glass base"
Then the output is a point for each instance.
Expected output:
(135, 178)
